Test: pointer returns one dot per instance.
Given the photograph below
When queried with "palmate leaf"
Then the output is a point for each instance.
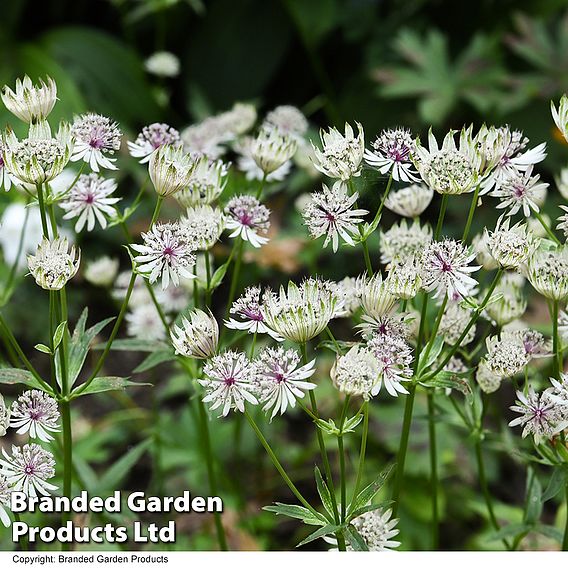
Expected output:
(13, 376)
(323, 531)
(297, 512)
(366, 494)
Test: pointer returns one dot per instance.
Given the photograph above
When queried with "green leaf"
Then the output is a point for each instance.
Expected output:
(435, 351)
(533, 499)
(218, 276)
(339, 347)
(58, 335)
(324, 493)
(509, 531)
(103, 384)
(323, 531)
(556, 484)
(296, 512)
(114, 476)
(368, 508)
(43, 348)
(153, 360)
(549, 531)
(366, 495)
(355, 539)
(140, 345)
(13, 376)
(449, 380)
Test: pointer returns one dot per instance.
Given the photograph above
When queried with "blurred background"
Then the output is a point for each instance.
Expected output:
(383, 63)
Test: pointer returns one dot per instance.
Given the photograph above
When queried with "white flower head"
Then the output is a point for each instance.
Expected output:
(330, 213)
(248, 218)
(170, 169)
(520, 190)
(165, 254)
(510, 246)
(532, 341)
(162, 64)
(151, 138)
(377, 529)
(249, 309)
(30, 103)
(174, 299)
(90, 201)
(287, 120)
(229, 381)
(341, 154)
(392, 153)
(404, 279)
(404, 241)
(562, 183)
(139, 295)
(453, 323)
(541, 415)
(102, 271)
(54, 264)
(205, 184)
(448, 169)
(376, 298)
(271, 150)
(203, 225)
(37, 160)
(143, 322)
(299, 313)
(394, 357)
(36, 413)
(280, 380)
(349, 293)
(4, 417)
(506, 356)
(96, 138)
(28, 469)
(410, 201)
(487, 380)
(560, 115)
(563, 224)
(446, 270)
(5, 497)
(482, 254)
(563, 325)
(547, 271)
(356, 373)
(247, 164)
(197, 336)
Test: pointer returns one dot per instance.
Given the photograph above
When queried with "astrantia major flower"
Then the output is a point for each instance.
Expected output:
(505, 356)
(341, 154)
(4, 416)
(394, 357)
(404, 279)
(510, 246)
(96, 138)
(143, 321)
(271, 149)
(453, 323)
(166, 254)
(349, 293)
(376, 298)
(151, 138)
(28, 469)
(410, 201)
(280, 379)
(392, 153)
(404, 241)
(300, 312)
(482, 254)
(247, 164)
(563, 325)
(35, 412)
(248, 218)
(487, 380)
(377, 529)
(541, 415)
(563, 225)
(54, 264)
(548, 272)
(205, 184)
(520, 190)
(330, 213)
(90, 201)
(562, 183)
(447, 169)
(203, 225)
(5, 497)
(532, 341)
(37, 160)
(560, 115)
(170, 169)
(30, 103)
(197, 336)
(102, 271)
(288, 120)
(162, 64)
(446, 270)
(249, 310)
(356, 373)
(229, 381)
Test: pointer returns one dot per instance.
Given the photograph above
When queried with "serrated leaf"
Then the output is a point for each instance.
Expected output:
(103, 384)
(366, 494)
(557, 482)
(297, 512)
(58, 335)
(355, 539)
(113, 476)
(449, 380)
(42, 348)
(323, 531)
(324, 493)
(13, 376)
(153, 360)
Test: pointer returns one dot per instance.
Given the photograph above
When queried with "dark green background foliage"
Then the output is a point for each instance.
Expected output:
(383, 63)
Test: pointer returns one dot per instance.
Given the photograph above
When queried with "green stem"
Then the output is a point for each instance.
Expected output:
(367, 257)
(208, 276)
(221, 537)
(557, 354)
(14, 268)
(251, 356)
(235, 276)
(471, 213)
(545, 226)
(363, 451)
(441, 215)
(377, 216)
(67, 459)
(157, 209)
(565, 539)
(341, 449)
(433, 468)
(42, 210)
(261, 186)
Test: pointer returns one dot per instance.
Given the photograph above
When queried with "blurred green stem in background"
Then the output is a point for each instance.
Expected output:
(471, 213)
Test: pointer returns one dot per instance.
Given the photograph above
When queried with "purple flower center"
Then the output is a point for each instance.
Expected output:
(29, 469)
(245, 219)
(279, 378)
(230, 381)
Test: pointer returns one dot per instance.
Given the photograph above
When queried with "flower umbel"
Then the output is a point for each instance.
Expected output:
(197, 336)
(392, 152)
(249, 219)
(54, 264)
(37, 413)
